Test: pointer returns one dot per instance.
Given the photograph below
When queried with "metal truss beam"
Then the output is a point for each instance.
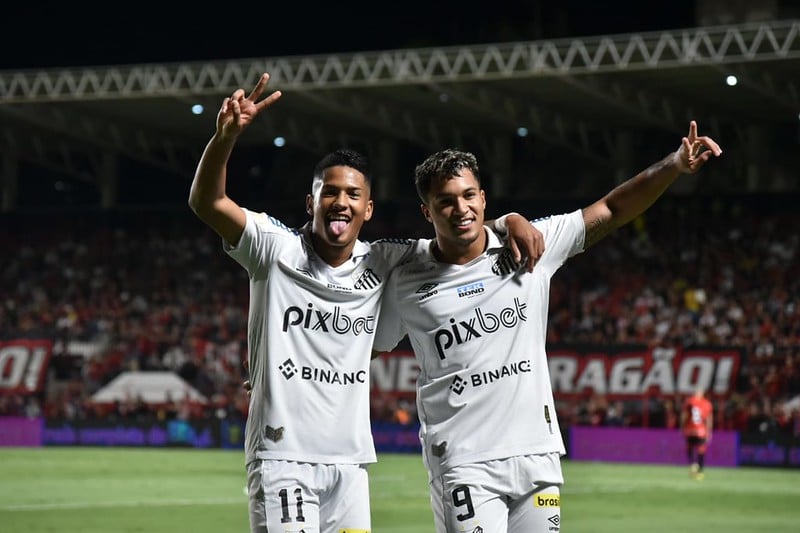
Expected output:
(656, 50)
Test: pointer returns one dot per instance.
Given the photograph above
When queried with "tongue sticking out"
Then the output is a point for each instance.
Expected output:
(338, 226)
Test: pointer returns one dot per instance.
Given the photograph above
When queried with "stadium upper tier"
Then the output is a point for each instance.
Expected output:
(551, 116)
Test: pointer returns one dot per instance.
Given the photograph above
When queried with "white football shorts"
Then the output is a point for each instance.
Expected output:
(291, 497)
(515, 495)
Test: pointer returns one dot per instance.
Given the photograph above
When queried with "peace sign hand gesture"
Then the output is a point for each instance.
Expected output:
(238, 111)
(695, 150)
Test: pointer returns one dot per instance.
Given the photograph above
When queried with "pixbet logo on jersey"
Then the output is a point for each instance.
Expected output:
(459, 332)
(327, 321)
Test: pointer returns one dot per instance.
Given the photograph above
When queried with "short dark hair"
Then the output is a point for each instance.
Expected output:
(442, 166)
(347, 158)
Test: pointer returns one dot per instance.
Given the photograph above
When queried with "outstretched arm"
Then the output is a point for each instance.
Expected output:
(633, 197)
(207, 196)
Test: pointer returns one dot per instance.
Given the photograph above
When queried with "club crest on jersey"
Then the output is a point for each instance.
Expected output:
(367, 280)
(504, 264)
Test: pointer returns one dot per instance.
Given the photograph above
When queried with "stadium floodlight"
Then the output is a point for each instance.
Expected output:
(197, 109)
(279, 141)
(731, 80)
(522, 131)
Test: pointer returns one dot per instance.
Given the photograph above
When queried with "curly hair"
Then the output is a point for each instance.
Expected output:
(442, 166)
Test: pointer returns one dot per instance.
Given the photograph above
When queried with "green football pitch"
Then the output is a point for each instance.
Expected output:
(105, 490)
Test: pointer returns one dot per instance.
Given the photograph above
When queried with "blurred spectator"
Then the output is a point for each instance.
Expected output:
(130, 291)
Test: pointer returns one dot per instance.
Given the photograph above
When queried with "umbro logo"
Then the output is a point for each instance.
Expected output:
(427, 290)
(427, 287)
(288, 369)
(555, 519)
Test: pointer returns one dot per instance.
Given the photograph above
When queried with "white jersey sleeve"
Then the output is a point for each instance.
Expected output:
(390, 329)
(259, 243)
(563, 236)
(478, 331)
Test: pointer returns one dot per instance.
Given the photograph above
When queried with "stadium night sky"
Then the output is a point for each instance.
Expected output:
(65, 34)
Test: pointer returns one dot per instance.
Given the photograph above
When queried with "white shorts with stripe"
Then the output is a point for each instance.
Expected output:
(514, 495)
(291, 497)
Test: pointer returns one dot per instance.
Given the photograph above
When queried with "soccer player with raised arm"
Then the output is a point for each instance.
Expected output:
(477, 325)
(314, 303)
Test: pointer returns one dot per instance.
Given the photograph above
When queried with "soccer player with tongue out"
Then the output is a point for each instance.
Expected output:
(315, 296)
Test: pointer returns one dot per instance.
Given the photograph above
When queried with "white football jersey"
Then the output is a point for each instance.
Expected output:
(478, 331)
(310, 333)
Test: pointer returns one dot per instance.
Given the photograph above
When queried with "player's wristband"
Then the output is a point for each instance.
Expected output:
(501, 225)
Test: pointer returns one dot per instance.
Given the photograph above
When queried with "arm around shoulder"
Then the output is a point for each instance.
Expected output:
(524, 240)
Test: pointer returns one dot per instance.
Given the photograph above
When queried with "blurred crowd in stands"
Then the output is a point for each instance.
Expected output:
(155, 291)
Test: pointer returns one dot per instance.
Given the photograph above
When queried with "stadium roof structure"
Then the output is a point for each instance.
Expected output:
(587, 101)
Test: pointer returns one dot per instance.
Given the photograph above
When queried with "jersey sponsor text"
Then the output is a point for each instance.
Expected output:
(475, 326)
(327, 321)
(505, 371)
(333, 377)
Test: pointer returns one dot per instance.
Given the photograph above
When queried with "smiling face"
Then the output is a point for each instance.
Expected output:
(339, 204)
(456, 207)
(449, 184)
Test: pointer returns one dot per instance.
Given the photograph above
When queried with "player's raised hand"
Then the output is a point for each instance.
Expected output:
(238, 110)
(695, 150)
